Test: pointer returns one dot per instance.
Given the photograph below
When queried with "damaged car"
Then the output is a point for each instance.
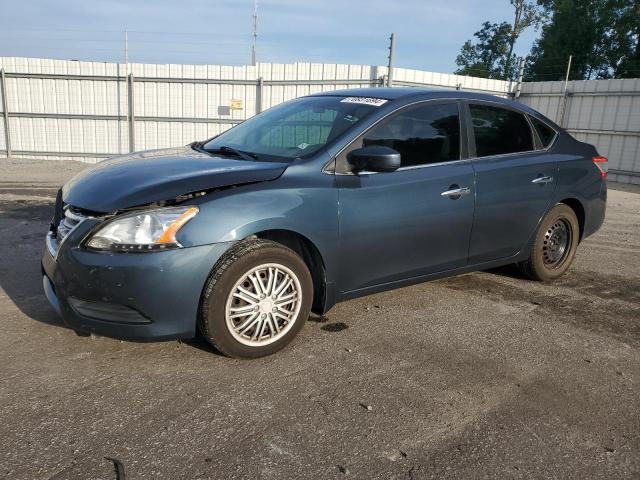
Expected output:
(315, 201)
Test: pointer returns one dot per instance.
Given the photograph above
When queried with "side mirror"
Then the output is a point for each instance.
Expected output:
(374, 158)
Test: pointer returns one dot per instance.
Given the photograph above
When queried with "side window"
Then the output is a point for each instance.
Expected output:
(499, 131)
(544, 131)
(422, 135)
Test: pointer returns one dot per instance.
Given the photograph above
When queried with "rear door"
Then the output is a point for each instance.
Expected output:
(404, 224)
(515, 179)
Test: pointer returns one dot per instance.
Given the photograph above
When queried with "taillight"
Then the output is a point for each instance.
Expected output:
(601, 163)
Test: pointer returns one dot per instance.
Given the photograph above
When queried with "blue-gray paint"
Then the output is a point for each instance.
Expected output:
(374, 232)
(145, 177)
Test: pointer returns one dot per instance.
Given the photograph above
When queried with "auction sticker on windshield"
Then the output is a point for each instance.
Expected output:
(376, 102)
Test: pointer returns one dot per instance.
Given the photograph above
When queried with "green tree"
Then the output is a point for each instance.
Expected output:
(526, 14)
(600, 35)
(487, 56)
(491, 55)
(625, 56)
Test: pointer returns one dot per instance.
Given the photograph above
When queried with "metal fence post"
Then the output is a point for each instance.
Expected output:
(563, 108)
(5, 113)
(518, 91)
(118, 95)
(565, 93)
(130, 114)
(259, 89)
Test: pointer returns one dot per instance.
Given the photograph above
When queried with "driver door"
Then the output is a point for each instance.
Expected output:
(403, 224)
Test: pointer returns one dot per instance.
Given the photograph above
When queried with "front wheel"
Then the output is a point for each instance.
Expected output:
(256, 300)
(554, 246)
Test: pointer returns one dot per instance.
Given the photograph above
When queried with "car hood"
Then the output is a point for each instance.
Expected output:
(156, 175)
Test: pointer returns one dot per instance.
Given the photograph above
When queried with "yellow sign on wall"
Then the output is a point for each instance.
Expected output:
(236, 104)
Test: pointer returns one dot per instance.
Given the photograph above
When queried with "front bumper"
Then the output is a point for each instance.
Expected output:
(131, 296)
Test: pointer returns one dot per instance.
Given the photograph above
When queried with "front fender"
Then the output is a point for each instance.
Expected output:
(310, 210)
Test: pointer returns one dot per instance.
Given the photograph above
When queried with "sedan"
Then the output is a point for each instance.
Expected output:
(318, 200)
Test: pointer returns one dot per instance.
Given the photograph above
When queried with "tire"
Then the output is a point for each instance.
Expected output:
(244, 283)
(548, 259)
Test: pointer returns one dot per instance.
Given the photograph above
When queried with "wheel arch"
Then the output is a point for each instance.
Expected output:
(311, 255)
(578, 208)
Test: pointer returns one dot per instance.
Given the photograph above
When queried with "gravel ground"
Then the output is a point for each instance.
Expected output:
(479, 376)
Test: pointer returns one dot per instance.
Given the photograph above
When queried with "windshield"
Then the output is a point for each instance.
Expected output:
(294, 129)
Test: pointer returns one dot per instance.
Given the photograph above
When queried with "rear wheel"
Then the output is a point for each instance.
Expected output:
(554, 246)
(256, 300)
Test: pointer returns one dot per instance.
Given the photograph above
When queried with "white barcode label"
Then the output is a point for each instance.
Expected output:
(376, 102)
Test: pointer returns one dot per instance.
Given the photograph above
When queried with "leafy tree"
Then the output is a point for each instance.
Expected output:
(625, 55)
(600, 35)
(575, 29)
(491, 56)
(487, 57)
(526, 14)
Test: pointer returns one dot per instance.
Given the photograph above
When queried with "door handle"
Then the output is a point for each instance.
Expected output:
(456, 192)
(542, 180)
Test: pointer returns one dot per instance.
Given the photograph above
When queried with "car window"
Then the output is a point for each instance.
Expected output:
(545, 132)
(499, 131)
(300, 130)
(295, 129)
(422, 135)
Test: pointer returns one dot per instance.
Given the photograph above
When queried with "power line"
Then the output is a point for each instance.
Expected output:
(143, 42)
(119, 32)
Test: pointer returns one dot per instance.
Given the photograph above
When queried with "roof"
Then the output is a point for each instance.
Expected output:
(394, 93)
(406, 94)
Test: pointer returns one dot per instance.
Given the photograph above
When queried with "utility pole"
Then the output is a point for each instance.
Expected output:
(126, 79)
(129, 79)
(126, 52)
(255, 32)
(392, 59)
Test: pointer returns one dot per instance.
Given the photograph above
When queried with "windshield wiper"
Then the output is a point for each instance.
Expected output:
(230, 150)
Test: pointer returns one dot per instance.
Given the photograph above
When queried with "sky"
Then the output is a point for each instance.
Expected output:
(428, 33)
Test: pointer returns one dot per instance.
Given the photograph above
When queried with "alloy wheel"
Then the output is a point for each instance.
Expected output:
(263, 305)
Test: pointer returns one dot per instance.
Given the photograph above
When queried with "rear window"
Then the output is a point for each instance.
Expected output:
(499, 131)
(544, 131)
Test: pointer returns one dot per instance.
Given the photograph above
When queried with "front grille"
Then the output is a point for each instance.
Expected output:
(72, 217)
(65, 219)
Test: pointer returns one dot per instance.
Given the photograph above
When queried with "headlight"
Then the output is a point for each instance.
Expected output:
(146, 230)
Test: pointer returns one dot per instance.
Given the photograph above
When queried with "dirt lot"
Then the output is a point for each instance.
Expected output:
(479, 376)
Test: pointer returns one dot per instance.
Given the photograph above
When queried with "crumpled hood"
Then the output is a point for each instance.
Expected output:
(157, 175)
